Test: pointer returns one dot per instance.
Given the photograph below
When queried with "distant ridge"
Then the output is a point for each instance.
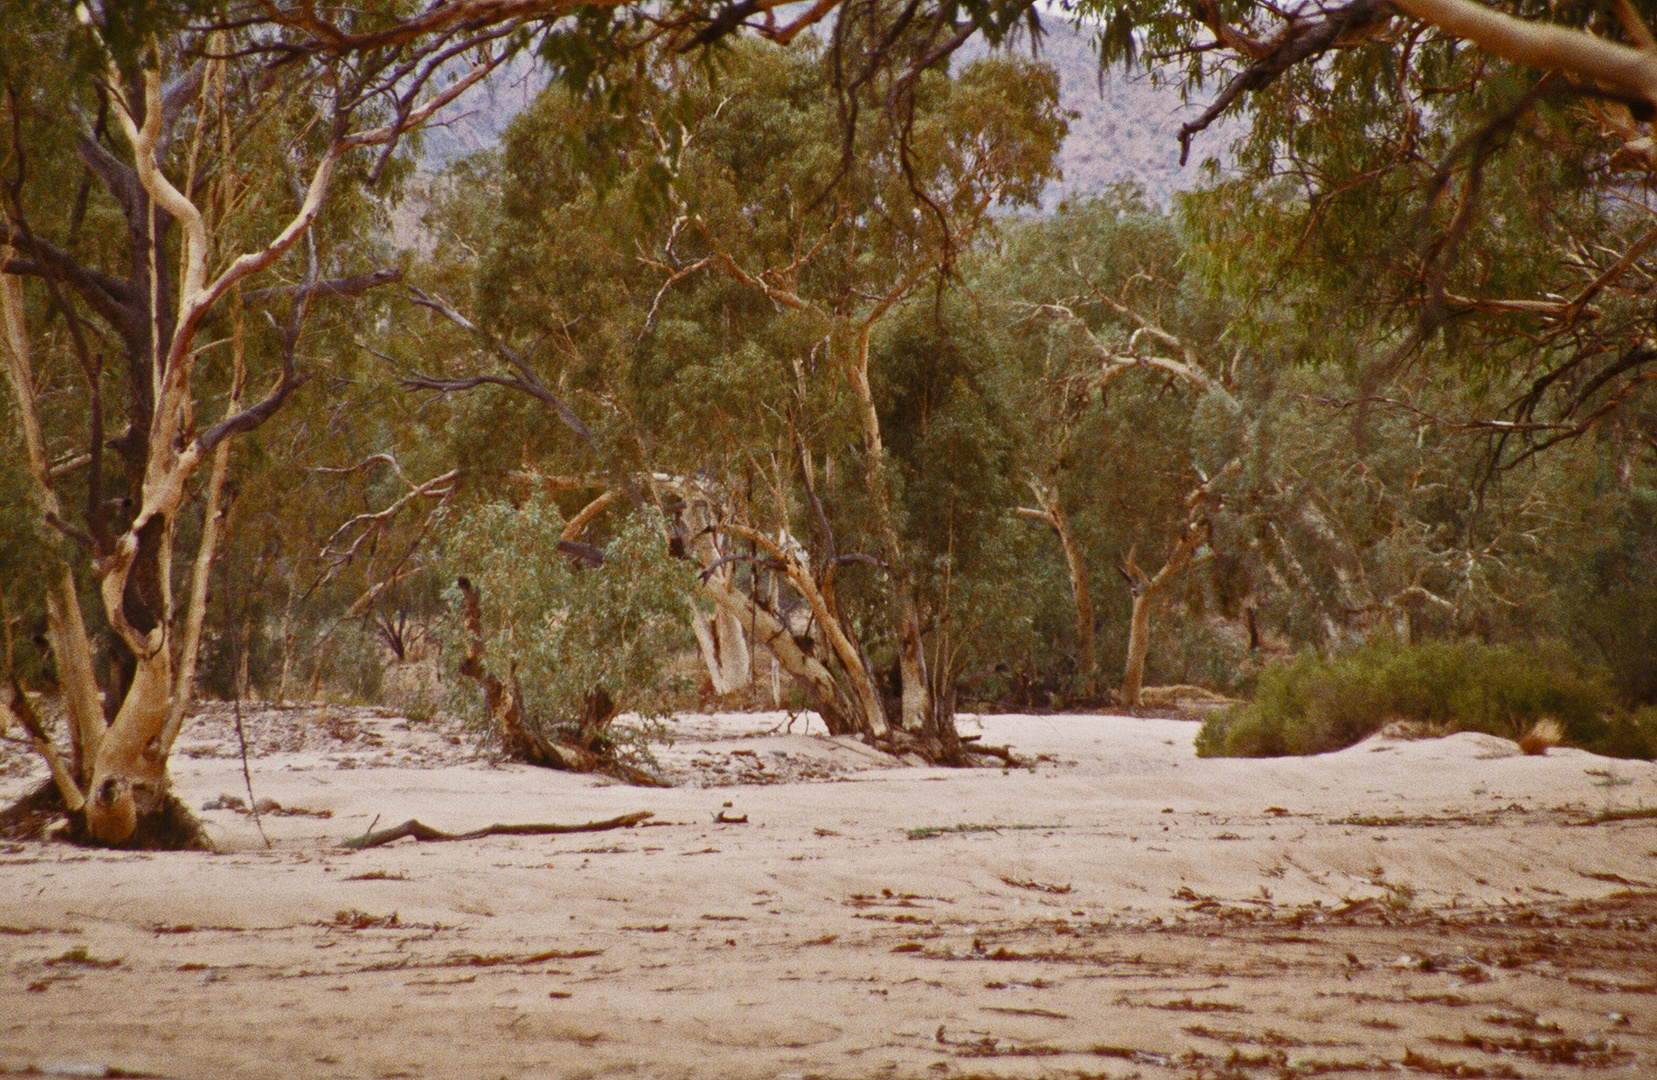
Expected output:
(1125, 127)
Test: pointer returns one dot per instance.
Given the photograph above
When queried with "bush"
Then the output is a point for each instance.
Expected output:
(1317, 704)
(1631, 735)
(566, 631)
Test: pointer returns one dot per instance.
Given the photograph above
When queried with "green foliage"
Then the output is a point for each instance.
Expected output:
(1122, 453)
(1630, 735)
(1317, 704)
(601, 245)
(566, 630)
(1611, 587)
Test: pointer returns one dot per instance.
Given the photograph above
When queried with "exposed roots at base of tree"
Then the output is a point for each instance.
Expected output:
(546, 754)
(953, 751)
(41, 815)
(523, 743)
(588, 750)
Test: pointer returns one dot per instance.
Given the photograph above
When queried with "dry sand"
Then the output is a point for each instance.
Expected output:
(1123, 909)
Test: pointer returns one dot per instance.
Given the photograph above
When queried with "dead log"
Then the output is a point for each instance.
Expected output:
(427, 834)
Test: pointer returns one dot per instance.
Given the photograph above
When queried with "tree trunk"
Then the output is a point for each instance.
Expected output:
(1052, 513)
(1139, 646)
(825, 695)
(916, 713)
(723, 646)
(129, 776)
(853, 707)
(1081, 599)
(1198, 527)
(520, 741)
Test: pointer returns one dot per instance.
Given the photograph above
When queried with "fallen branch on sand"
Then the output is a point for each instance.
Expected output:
(420, 832)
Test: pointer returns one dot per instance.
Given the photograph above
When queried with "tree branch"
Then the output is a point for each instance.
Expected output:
(1627, 71)
(527, 382)
(426, 834)
(333, 288)
(1314, 40)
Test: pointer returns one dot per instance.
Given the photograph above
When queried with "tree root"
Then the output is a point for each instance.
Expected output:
(962, 752)
(426, 833)
(32, 815)
(170, 827)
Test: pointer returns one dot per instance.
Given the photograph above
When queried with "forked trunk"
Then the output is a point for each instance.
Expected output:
(723, 646)
(1051, 513)
(1139, 646)
(129, 774)
(1200, 503)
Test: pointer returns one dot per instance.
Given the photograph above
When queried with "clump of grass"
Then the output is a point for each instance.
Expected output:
(1317, 704)
(1400, 895)
(1543, 736)
(929, 831)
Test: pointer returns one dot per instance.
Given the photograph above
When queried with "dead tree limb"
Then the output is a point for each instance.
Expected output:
(525, 378)
(425, 833)
(43, 745)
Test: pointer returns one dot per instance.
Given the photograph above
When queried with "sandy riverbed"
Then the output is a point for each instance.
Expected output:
(1123, 909)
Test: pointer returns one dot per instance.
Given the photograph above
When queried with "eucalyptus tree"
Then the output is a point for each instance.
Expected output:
(708, 283)
(148, 183)
(844, 262)
(1122, 362)
(1485, 206)
(212, 136)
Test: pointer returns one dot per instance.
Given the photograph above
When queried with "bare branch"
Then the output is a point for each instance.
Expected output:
(333, 288)
(527, 382)
(1628, 71)
(371, 524)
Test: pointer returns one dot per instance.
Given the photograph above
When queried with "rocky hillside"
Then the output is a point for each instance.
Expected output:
(1125, 127)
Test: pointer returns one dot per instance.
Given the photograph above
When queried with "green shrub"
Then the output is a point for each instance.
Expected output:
(566, 630)
(1316, 704)
(1629, 735)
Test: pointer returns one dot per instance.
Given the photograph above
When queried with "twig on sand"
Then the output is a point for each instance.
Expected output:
(247, 775)
(421, 832)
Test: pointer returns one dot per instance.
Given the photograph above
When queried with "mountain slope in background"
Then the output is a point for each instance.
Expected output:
(1124, 126)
